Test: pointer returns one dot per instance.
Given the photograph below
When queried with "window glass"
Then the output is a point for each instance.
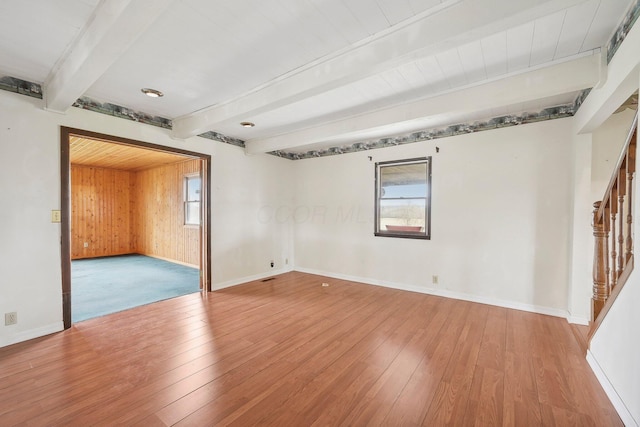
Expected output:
(192, 190)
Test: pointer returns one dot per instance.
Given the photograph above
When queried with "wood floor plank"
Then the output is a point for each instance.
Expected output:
(493, 345)
(452, 397)
(326, 346)
(414, 400)
(292, 352)
(378, 402)
(392, 329)
(486, 399)
(320, 398)
(521, 405)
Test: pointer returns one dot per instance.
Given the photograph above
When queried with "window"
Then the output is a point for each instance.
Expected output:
(192, 189)
(403, 198)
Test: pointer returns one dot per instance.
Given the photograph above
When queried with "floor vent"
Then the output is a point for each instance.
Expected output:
(266, 280)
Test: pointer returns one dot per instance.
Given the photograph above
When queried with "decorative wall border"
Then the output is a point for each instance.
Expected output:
(23, 87)
(109, 109)
(625, 26)
(90, 104)
(222, 138)
(551, 113)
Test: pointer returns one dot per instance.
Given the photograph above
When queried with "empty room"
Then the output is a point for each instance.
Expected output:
(416, 212)
(135, 226)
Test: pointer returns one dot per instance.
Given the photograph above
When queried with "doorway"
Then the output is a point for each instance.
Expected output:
(125, 154)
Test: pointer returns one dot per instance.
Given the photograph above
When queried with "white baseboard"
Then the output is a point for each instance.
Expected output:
(611, 392)
(578, 320)
(32, 333)
(240, 281)
(442, 293)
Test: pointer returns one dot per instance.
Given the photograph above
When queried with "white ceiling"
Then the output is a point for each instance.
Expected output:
(310, 73)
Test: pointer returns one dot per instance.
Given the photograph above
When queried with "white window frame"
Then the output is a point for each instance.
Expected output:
(188, 202)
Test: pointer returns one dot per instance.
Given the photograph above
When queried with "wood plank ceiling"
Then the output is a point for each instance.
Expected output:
(96, 153)
(311, 72)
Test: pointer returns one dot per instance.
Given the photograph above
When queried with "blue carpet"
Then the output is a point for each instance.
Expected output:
(107, 285)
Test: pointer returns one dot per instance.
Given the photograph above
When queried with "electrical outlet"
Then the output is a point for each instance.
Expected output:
(272, 264)
(86, 244)
(434, 279)
(10, 318)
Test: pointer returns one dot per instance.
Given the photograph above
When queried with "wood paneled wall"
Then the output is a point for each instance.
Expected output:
(118, 212)
(101, 206)
(159, 219)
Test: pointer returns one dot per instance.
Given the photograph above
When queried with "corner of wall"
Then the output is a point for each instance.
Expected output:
(247, 279)
(581, 246)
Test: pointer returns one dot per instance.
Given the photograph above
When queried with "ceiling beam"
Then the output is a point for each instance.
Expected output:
(109, 32)
(564, 77)
(622, 79)
(454, 23)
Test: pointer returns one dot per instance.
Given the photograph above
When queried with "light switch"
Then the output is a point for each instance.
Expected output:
(55, 216)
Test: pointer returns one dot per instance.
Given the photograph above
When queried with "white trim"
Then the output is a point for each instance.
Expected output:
(33, 333)
(443, 293)
(609, 389)
(246, 279)
(577, 320)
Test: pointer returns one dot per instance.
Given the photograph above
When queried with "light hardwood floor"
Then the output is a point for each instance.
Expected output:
(289, 352)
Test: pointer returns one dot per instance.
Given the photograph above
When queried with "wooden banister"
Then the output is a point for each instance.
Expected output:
(613, 233)
(600, 264)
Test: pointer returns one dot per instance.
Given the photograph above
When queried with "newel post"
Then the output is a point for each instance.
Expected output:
(600, 263)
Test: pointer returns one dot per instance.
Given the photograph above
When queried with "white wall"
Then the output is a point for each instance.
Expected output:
(580, 289)
(243, 242)
(608, 141)
(29, 244)
(500, 218)
(615, 351)
(30, 272)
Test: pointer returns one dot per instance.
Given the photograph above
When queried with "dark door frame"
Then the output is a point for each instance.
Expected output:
(65, 206)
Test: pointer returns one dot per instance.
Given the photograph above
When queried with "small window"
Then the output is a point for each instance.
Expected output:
(192, 190)
(403, 198)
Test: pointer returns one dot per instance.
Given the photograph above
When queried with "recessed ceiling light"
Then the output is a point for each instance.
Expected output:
(247, 124)
(152, 92)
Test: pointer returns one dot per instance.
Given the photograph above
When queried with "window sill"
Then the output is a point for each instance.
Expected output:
(406, 235)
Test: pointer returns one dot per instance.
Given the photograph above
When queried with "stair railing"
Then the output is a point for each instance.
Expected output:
(613, 232)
